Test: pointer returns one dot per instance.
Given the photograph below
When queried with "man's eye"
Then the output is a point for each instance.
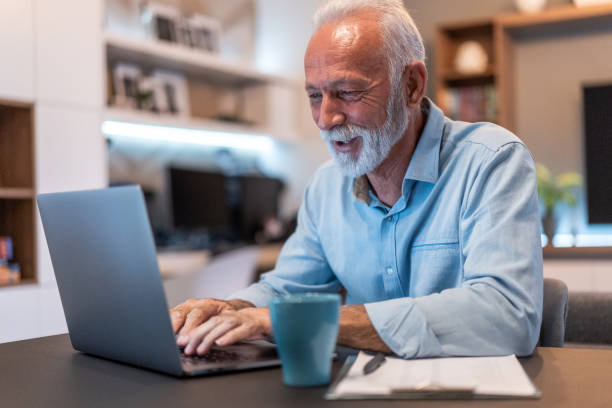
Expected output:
(349, 95)
(314, 96)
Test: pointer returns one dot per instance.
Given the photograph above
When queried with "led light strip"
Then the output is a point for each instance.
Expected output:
(202, 137)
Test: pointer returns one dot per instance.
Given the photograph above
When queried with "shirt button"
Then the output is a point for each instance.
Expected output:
(389, 271)
(390, 218)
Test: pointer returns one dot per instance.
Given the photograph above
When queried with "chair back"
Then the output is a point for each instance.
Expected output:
(554, 313)
(589, 318)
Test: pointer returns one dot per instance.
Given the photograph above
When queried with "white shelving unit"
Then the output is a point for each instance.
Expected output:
(148, 118)
(152, 127)
(268, 101)
(65, 100)
(195, 63)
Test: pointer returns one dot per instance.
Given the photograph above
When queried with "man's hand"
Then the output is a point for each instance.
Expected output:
(228, 327)
(191, 313)
(200, 323)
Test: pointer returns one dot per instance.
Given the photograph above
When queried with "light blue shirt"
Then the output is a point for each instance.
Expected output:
(453, 268)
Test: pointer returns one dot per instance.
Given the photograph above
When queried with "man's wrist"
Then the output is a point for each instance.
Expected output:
(266, 322)
(357, 330)
(238, 304)
(260, 316)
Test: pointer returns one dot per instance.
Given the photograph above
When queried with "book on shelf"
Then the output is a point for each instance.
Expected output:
(9, 272)
(6, 249)
(471, 103)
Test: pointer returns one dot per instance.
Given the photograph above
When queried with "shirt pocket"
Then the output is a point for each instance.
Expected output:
(434, 266)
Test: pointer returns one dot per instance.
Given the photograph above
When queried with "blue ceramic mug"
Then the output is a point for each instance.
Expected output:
(305, 330)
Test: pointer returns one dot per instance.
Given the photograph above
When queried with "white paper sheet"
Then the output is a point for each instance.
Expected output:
(486, 376)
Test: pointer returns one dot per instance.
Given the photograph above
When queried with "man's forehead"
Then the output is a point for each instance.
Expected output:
(346, 35)
(356, 38)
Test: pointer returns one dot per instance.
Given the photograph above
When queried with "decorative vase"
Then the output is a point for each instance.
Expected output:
(471, 58)
(549, 226)
(530, 6)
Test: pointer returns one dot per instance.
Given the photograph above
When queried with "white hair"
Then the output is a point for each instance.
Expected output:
(401, 38)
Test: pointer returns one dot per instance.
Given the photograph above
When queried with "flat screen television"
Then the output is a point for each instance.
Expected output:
(212, 202)
(199, 201)
(598, 152)
(259, 201)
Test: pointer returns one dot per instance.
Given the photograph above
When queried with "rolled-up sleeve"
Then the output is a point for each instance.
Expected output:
(498, 307)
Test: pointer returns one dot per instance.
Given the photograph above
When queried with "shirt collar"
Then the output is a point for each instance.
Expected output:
(425, 159)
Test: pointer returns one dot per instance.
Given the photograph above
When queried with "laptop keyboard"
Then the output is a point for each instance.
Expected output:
(213, 356)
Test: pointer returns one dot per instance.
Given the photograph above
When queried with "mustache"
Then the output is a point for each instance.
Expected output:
(344, 134)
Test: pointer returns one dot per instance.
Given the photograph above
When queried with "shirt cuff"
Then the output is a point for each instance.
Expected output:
(258, 294)
(403, 327)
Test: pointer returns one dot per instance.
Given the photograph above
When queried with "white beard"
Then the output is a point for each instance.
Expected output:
(375, 143)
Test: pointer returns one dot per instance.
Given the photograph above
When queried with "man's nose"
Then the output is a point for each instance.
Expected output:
(330, 114)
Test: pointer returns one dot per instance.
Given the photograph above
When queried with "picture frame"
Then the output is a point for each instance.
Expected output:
(200, 32)
(171, 93)
(126, 80)
(161, 21)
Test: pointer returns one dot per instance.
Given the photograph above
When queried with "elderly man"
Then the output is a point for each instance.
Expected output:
(431, 225)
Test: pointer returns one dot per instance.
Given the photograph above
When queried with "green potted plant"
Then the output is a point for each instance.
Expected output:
(553, 190)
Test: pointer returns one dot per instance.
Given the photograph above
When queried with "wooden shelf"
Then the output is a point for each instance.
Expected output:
(554, 21)
(498, 35)
(555, 15)
(198, 64)
(551, 252)
(449, 39)
(453, 77)
(23, 282)
(16, 193)
(16, 103)
(16, 146)
(469, 28)
(17, 206)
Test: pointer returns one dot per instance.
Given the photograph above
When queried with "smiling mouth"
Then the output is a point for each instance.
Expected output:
(346, 147)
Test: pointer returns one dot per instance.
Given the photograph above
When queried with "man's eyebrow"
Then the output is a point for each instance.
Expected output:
(340, 82)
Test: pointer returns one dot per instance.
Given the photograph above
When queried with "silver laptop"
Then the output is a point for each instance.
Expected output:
(105, 264)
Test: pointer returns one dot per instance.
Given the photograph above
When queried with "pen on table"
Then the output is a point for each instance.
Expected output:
(374, 363)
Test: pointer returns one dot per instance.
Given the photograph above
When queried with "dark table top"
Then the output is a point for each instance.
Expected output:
(47, 372)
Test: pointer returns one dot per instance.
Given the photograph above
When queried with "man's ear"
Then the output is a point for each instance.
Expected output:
(414, 81)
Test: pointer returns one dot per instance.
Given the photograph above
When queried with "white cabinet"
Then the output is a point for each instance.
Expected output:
(70, 155)
(21, 317)
(44, 267)
(30, 311)
(51, 55)
(70, 149)
(68, 44)
(16, 50)
(51, 311)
